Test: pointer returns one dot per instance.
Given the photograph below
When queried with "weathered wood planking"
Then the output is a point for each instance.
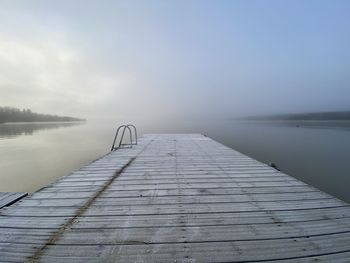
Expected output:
(176, 198)
(9, 198)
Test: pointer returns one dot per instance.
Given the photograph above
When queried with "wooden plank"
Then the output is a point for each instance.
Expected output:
(172, 180)
(162, 200)
(239, 251)
(173, 192)
(127, 210)
(9, 198)
(183, 179)
(179, 234)
(259, 217)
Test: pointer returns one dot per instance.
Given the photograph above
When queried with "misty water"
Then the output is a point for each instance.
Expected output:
(316, 152)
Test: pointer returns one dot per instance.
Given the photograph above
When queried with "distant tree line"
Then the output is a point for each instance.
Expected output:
(10, 114)
(333, 115)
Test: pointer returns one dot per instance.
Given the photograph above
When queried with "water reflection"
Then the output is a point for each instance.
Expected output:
(326, 124)
(13, 130)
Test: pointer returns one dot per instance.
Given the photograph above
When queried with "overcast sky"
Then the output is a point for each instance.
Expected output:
(174, 58)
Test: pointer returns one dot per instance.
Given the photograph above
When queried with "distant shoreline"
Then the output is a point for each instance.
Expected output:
(38, 122)
(14, 115)
(311, 116)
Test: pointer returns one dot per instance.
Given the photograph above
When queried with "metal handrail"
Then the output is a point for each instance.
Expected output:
(122, 137)
(130, 134)
(135, 133)
(124, 127)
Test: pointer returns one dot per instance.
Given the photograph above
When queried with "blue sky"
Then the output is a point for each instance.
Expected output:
(177, 58)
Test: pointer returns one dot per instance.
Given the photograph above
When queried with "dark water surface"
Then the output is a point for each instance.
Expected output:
(34, 154)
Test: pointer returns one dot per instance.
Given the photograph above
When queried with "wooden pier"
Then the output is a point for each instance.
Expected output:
(176, 198)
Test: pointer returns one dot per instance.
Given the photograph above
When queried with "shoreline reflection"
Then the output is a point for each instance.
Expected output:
(14, 130)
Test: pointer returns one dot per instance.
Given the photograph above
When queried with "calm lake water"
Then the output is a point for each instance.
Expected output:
(34, 154)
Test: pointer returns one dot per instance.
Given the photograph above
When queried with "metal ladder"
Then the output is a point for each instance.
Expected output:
(132, 141)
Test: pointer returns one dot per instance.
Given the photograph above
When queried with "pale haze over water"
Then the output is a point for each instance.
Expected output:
(314, 152)
(175, 66)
